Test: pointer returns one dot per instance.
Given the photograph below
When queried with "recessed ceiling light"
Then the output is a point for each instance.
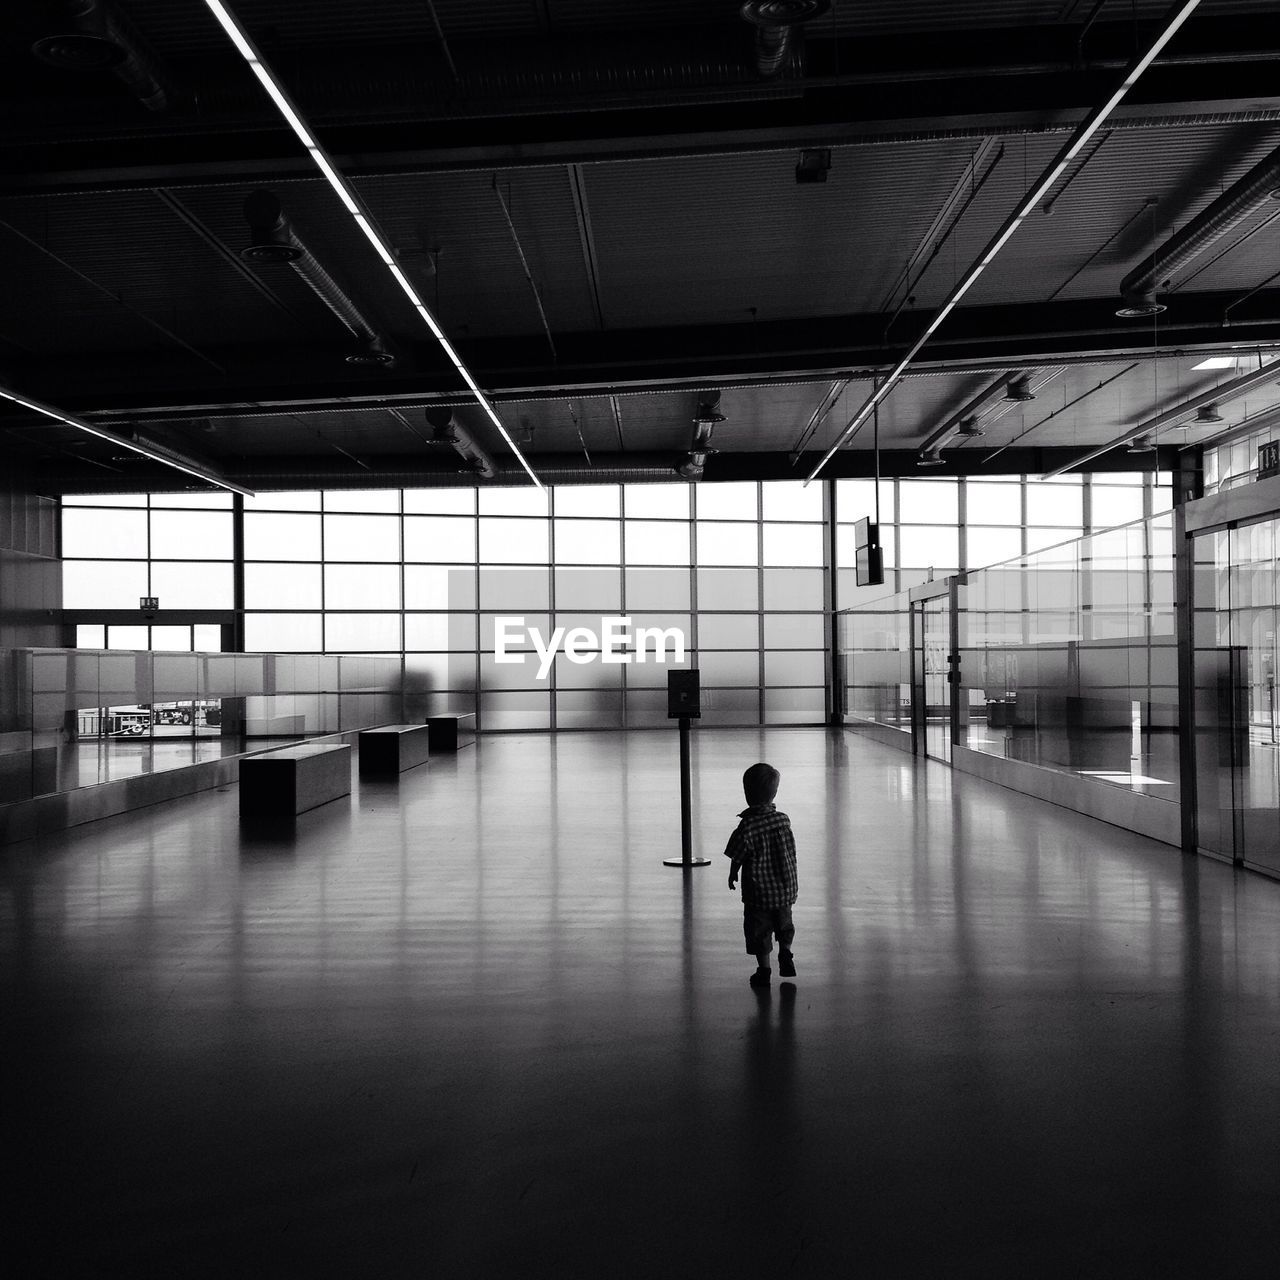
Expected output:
(1216, 362)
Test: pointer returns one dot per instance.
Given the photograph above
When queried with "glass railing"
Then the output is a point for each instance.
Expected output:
(77, 717)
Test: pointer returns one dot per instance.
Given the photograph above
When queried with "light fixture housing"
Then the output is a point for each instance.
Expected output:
(1141, 444)
(930, 458)
(1019, 390)
(970, 429)
(1208, 413)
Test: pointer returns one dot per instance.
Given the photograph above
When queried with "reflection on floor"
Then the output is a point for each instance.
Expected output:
(467, 1024)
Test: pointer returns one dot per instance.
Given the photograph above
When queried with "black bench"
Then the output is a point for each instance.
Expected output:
(291, 780)
(393, 748)
(451, 731)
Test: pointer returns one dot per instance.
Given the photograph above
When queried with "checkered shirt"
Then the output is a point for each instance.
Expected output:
(765, 848)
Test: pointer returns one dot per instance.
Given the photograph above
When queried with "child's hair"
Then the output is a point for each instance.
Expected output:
(760, 783)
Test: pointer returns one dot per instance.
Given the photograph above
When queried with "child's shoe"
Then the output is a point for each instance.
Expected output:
(786, 964)
(761, 978)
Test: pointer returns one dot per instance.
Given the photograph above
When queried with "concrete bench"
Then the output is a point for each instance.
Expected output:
(451, 731)
(393, 748)
(291, 780)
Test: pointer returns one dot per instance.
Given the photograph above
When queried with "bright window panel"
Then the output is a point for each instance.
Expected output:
(518, 639)
(795, 666)
(308, 500)
(220, 501)
(193, 584)
(511, 590)
(594, 589)
(856, 500)
(657, 501)
(513, 541)
(91, 637)
(1113, 505)
(588, 542)
(928, 502)
(598, 709)
(793, 544)
(588, 500)
(361, 586)
(361, 632)
(430, 671)
(1038, 539)
(128, 637)
(923, 548)
(104, 584)
(728, 543)
(792, 500)
(512, 675)
(362, 538)
(282, 586)
(738, 500)
(791, 590)
(456, 501)
(191, 535)
(429, 587)
(526, 710)
(728, 589)
(1054, 503)
(105, 500)
(208, 637)
(272, 536)
(1161, 499)
(113, 535)
(515, 500)
(282, 633)
(376, 500)
(728, 669)
(657, 543)
(795, 706)
(728, 631)
(991, 546)
(171, 639)
(659, 588)
(440, 539)
(794, 631)
(440, 631)
(989, 503)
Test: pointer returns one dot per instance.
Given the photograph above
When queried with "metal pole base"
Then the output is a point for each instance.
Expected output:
(681, 862)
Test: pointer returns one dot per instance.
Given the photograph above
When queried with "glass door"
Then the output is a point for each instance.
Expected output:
(1237, 621)
(931, 668)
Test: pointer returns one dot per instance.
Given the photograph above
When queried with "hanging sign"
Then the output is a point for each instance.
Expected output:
(1269, 459)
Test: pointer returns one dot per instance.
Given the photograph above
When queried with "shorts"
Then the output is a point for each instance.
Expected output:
(759, 924)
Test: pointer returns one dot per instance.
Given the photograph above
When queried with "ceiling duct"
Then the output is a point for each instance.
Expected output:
(1232, 207)
(445, 430)
(776, 22)
(1014, 387)
(95, 35)
(273, 240)
(705, 417)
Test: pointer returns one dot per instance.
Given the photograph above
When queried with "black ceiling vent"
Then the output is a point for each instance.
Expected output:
(814, 165)
(271, 237)
(1019, 389)
(774, 21)
(969, 428)
(95, 35)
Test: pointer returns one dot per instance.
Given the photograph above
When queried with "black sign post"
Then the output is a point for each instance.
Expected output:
(684, 705)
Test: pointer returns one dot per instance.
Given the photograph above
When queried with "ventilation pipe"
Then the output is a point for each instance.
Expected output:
(705, 418)
(95, 34)
(445, 431)
(1014, 387)
(775, 21)
(1232, 207)
(273, 240)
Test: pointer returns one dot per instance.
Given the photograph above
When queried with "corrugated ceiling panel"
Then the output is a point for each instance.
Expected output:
(481, 286)
(1183, 169)
(704, 240)
(282, 24)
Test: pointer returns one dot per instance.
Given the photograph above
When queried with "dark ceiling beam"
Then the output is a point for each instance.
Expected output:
(414, 470)
(604, 362)
(965, 84)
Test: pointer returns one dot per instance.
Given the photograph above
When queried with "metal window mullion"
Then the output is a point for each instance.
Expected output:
(760, 697)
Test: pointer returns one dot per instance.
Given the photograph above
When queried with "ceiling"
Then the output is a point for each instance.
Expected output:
(599, 202)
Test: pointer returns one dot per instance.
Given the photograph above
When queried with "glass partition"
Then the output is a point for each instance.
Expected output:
(1068, 658)
(875, 661)
(77, 717)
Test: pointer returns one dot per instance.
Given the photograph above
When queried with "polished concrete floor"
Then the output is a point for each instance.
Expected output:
(468, 1025)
